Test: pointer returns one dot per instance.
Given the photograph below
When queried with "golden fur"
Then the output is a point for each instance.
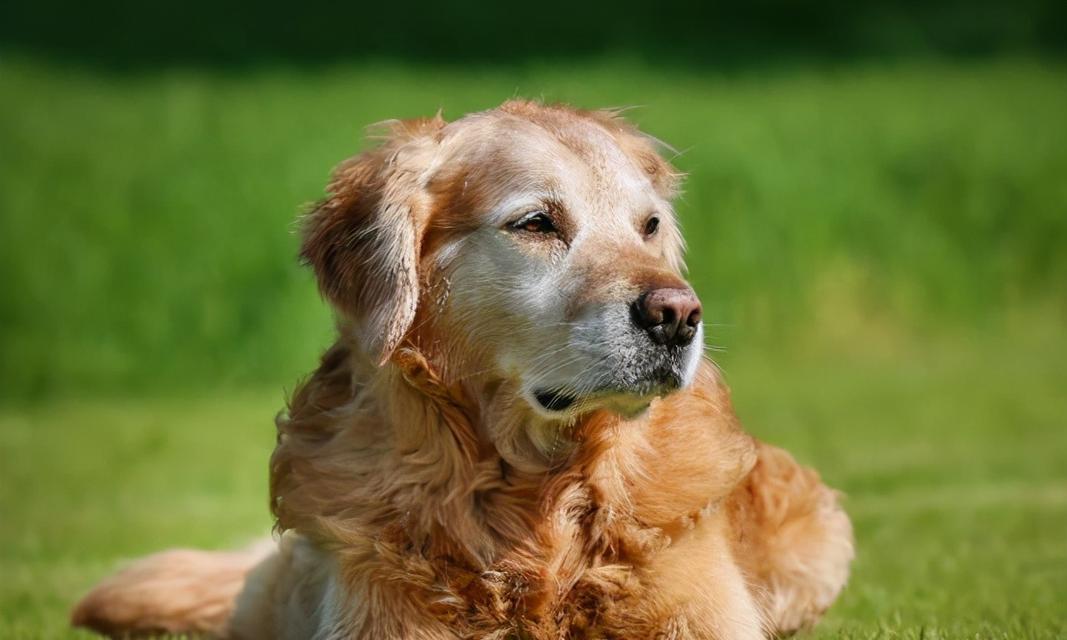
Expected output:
(420, 496)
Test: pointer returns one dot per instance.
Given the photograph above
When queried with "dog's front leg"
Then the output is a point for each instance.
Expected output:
(699, 579)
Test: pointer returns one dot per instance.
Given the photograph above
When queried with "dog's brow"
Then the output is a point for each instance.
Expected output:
(527, 199)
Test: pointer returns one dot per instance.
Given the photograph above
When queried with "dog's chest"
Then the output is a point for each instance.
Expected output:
(586, 588)
(600, 602)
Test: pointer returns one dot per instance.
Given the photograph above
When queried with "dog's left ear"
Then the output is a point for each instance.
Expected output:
(363, 239)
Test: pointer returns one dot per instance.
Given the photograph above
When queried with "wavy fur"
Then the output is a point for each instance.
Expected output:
(419, 495)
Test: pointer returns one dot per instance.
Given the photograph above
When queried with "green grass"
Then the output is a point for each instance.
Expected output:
(953, 459)
(881, 249)
(85, 484)
(147, 220)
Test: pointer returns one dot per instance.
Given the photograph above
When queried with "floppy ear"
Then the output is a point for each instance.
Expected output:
(363, 239)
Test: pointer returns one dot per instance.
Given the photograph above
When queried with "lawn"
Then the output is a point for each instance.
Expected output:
(881, 249)
(953, 459)
(146, 220)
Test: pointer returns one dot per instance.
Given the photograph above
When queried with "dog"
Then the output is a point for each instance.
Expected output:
(516, 434)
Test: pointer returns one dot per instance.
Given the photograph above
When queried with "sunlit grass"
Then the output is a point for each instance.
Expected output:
(954, 466)
(146, 221)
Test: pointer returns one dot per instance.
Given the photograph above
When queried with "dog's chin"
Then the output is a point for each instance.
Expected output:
(560, 405)
(634, 388)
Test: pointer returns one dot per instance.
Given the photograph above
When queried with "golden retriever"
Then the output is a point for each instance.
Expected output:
(515, 435)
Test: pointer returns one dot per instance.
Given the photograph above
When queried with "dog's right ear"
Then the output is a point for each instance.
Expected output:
(363, 239)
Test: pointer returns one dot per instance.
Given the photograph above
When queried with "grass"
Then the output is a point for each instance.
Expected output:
(147, 219)
(953, 459)
(881, 248)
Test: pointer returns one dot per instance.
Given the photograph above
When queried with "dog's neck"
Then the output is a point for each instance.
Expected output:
(499, 483)
(369, 456)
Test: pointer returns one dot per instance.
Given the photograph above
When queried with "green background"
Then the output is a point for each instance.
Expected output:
(876, 214)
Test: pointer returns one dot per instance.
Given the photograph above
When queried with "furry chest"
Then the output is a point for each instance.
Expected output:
(513, 603)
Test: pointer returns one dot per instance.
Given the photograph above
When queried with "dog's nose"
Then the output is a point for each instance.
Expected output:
(670, 316)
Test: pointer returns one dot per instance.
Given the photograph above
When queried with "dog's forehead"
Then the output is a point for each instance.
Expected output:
(568, 154)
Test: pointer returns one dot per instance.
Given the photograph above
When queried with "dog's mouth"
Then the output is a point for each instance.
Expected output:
(555, 400)
(628, 402)
(628, 391)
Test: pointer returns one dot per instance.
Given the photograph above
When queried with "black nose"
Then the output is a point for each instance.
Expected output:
(670, 316)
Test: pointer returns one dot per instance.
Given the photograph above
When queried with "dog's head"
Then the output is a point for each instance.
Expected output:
(530, 250)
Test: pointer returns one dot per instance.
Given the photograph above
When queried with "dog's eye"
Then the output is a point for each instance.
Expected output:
(535, 222)
(651, 226)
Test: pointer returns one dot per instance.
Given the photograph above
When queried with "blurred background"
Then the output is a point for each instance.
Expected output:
(876, 214)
